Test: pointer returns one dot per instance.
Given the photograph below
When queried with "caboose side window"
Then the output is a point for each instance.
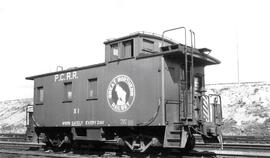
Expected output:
(68, 92)
(40, 95)
(197, 84)
(148, 45)
(92, 89)
(121, 50)
(114, 55)
(127, 49)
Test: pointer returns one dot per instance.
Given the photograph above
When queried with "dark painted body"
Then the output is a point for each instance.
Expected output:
(54, 112)
(155, 76)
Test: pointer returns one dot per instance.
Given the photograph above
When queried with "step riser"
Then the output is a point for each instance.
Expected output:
(173, 145)
(173, 136)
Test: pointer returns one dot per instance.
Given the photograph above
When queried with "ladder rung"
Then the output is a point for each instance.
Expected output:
(173, 139)
(176, 132)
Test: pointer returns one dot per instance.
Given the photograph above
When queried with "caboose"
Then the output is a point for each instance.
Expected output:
(149, 92)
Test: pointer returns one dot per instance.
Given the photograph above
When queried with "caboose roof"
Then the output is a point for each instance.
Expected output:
(140, 34)
(173, 49)
(176, 50)
(67, 70)
(199, 54)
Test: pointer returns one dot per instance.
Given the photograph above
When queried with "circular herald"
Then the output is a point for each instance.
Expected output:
(121, 93)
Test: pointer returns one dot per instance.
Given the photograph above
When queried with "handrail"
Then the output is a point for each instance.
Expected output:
(153, 34)
(216, 103)
(177, 28)
(192, 45)
(186, 67)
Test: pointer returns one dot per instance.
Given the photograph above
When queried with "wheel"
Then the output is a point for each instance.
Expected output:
(190, 143)
(75, 146)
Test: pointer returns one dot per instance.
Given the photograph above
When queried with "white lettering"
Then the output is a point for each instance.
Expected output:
(68, 75)
(123, 121)
(65, 76)
(100, 122)
(76, 111)
(66, 123)
(74, 75)
(56, 77)
(95, 122)
(62, 77)
(131, 92)
(113, 105)
(76, 123)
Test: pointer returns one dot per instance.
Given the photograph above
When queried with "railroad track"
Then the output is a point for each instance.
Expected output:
(20, 145)
(201, 149)
(242, 139)
(13, 137)
(238, 146)
(193, 154)
(234, 150)
(227, 139)
(230, 150)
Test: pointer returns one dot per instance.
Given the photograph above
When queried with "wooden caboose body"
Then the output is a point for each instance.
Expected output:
(150, 91)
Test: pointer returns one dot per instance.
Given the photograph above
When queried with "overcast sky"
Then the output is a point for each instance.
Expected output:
(36, 36)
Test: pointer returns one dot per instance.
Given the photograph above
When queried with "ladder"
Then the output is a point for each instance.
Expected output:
(189, 70)
(188, 91)
(176, 135)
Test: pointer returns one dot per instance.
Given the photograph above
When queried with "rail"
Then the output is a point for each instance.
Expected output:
(231, 151)
(226, 138)
(241, 146)
(242, 139)
(13, 137)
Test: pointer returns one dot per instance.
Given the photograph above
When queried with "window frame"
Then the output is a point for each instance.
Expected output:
(121, 50)
(112, 56)
(89, 81)
(123, 53)
(66, 98)
(148, 49)
(199, 83)
(38, 100)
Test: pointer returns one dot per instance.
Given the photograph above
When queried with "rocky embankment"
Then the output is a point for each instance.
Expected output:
(13, 115)
(246, 107)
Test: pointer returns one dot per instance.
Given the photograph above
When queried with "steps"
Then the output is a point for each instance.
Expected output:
(175, 137)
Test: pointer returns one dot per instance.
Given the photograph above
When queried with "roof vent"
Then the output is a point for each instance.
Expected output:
(59, 68)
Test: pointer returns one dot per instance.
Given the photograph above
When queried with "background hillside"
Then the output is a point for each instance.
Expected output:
(246, 109)
(13, 115)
